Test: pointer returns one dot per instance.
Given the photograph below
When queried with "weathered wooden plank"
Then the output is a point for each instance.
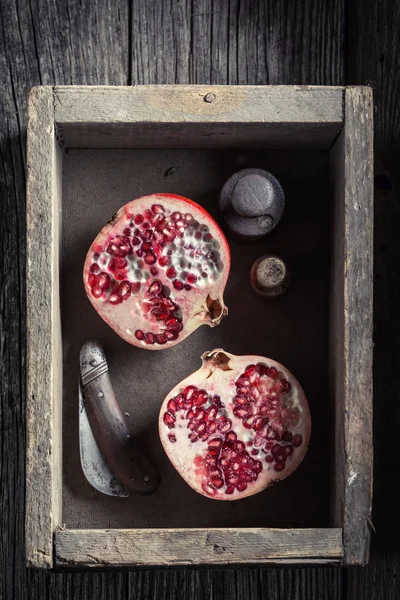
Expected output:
(169, 547)
(374, 59)
(351, 324)
(199, 116)
(44, 367)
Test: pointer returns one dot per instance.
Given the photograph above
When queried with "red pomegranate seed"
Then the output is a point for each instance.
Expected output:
(176, 216)
(174, 324)
(202, 398)
(171, 335)
(297, 440)
(124, 290)
(161, 339)
(251, 370)
(217, 482)
(272, 372)
(170, 273)
(157, 208)
(155, 288)
(171, 406)
(255, 452)
(147, 213)
(288, 450)
(94, 268)
(115, 299)
(269, 459)
(150, 259)
(139, 334)
(215, 443)
(138, 219)
(169, 419)
(229, 490)
(187, 287)
(240, 446)
(287, 436)
(150, 338)
(103, 281)
(92, 279)
(241, 486)
(178, 284)
(172, 437)
(164, 261)
(191, 278)
(135, 287)
(279, 466)
(240, 412)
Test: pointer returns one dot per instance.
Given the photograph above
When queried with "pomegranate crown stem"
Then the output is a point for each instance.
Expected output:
(216, 311)
(216, 359)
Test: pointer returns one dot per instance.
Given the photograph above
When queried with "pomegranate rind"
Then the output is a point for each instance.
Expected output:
(218, 376)
(182, 248)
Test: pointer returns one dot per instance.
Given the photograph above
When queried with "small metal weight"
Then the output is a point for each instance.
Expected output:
(269, 276)
(252, 202)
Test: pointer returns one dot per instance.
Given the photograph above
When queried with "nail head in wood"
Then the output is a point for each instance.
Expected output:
(269, 276)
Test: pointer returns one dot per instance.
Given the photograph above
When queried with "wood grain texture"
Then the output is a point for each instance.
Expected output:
(374, 58)
(351, 325)
(198, 116)
(296, 43)
(43, 469)
(167, 547)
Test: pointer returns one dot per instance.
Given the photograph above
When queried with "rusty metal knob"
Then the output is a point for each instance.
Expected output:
(269, 276)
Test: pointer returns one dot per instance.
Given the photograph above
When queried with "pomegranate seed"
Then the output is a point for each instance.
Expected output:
(139, 334)
(213, 451)
(124, 290)
(135, 287)
(212, 427)
(259, 423)
(217, 482)
(240, 446)
(171, 406)
(231, 436)
(92, 279)
(94, 268)
(188, 287)
(96, 256)
(240, 412)
(147, 213)
(174, 324)
(150, 338)
(241, 486)
(193, 437)
(297, 440)
(279, 466)
(178, 284)
(103, 281)
(286, 386)
(202, 398)
(170, 273)
(138, 219)
(169, 419)
(146, 247)
(154, 271)
(200, 414)
(226, 427)
(288, 450)
(269, 459)
(171, 335)
(115, 299)
(198, 235)
(254, 452)
(276, 450)
(157, 208)
(160, 339)
(211, 491)
(207, 237)
(145, 225)
(164, 261)
(97, 292)
(272, 372)
(215, 443)
(155, 289)
(251, 370)
(159, 314)
(189, 391)
(172, 437)
(241, 401)
(150, 259)
(135, 241)
(229, 490)
(147, 235)
(176, 216)
(191, 278)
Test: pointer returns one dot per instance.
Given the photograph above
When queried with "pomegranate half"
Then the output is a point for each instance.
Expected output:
(158, 271)
(235, 426)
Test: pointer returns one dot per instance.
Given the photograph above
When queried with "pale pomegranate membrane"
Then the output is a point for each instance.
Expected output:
(158, 271)
(235, 426)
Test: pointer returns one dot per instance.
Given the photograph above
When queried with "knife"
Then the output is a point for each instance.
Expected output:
(110, 458)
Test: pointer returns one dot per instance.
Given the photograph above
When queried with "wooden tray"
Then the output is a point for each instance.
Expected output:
(92, 149)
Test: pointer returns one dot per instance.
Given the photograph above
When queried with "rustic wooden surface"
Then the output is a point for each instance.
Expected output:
(123, 42)
(124, 547)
